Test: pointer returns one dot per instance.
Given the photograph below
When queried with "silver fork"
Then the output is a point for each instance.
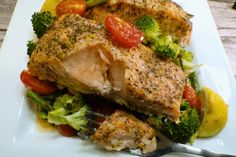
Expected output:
(182, 148)
(177, 147)
(164, 145)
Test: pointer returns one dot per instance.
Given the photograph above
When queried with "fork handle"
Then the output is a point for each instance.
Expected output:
(177, 147)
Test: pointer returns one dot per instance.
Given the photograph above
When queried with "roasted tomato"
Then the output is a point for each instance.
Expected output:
(123, 33)
(66, 130)
(39, 86)
(191, 96)
(71, 7)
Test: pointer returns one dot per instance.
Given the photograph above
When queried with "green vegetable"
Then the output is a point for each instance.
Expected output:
(189, 67)
(186, 55)
(165, 47)
(70, 110)
(43, 105)
(71, 103)
(184, 60)
(184, 106)
(41, 21)
(149, 27)
(77, 120)
(57, 116)
(181, 132)
(194, 81)
(31, 44)
(62, 108)
(93, 3)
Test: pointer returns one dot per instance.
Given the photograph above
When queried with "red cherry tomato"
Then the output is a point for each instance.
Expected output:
(105, 110)
(124, 34)
(71, 7)
(39, 86)
(190, 96)
(66, 130)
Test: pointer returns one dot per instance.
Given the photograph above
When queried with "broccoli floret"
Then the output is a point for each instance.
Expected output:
(77, 120)
(165, 47)
(70, 110)
(31, 44)
(41, 21)
(71, 103)
(180, 132)
(62, 108)
(149, 27)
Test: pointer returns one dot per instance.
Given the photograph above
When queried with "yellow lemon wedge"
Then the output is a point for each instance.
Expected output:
(50, 5)
(215, 113)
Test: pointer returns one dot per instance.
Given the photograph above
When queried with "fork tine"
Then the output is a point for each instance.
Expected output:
(92, 129)
(166, 146)
(97, 114)
(86, 135)
(159, 152)
(83, 136)
(93, 121)
(136, 152)
(93, 124)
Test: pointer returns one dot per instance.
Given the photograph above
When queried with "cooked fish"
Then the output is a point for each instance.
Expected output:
(122, 130)
(77, 53)
(172, 18)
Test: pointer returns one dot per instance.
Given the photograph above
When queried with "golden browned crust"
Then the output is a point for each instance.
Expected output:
(122, 130)
(69, 33)
(149, 84)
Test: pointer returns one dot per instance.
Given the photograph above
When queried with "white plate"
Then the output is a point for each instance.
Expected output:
(19, 134)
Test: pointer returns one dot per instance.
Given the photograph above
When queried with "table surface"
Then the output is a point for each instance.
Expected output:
(224, 16)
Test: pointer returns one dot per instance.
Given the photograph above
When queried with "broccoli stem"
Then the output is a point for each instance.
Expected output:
(194, 81)
(35, 97)
(93, 3)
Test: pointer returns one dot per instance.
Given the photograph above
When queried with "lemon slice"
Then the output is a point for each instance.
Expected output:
(215, 113)
(50, 5)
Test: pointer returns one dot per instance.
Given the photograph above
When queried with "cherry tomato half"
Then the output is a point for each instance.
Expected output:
(71, 7)
(103, 110)
(190, 96)
(66, 130)
(39, 86)
(123, 33)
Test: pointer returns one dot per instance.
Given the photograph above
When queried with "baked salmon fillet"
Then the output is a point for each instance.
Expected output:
(173, 20)
(77, 53)
(122, 130)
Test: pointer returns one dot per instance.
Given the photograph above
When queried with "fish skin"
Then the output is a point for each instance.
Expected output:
(77, 53)
(173, 20)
